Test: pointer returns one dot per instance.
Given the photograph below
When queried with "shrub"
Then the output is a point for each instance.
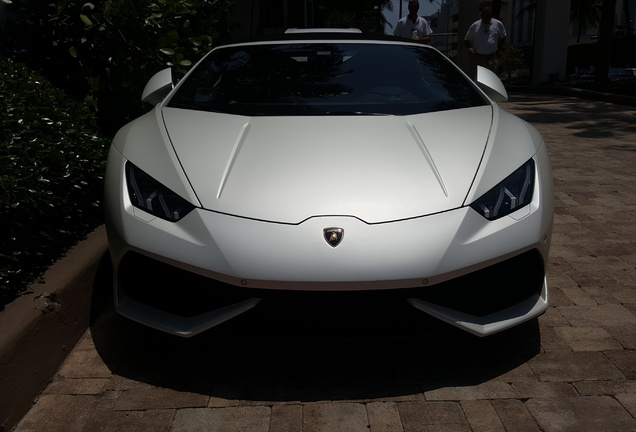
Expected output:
(51, 176)
(511, 59)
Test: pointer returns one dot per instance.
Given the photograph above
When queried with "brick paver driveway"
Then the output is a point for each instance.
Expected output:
(573, 369)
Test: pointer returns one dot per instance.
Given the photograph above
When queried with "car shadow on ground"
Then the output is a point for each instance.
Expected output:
(308, 352)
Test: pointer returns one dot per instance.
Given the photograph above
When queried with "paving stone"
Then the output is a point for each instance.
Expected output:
(488, 390)
(481, 416)
(626, 335)
(86, 342)
(601, 295)
(420, 416)
(370, 392)
(560, 218)
(515, 416)
(598, 316)
(520, 373)
(578, 296)
(628, 401)
(588, 338)
(107, 400)
(159, 398)
(90, 386)
(84, 364)
(572, 367)
(626, 276)
(611, 246)
(150, 420)
(552, 342)
(602, 388)
(558, 248)
(593, 278)
(224, 397)
(527, 390)
(630, 258)
(232, 419)
(58, 413)
(624, 293)
(625, 361)
(335, 417)
(384, 417)
(552, 317)
(118, 382)
(581, 414)
(596, 264)
(286, 418)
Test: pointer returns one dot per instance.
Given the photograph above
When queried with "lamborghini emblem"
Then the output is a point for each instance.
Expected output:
(333, 236)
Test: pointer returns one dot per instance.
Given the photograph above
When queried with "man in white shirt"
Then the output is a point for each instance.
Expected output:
(413, 26)
(484, 38)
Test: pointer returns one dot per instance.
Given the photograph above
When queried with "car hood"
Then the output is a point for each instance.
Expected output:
(288, 169)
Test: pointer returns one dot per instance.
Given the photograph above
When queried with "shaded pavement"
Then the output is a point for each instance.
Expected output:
(393, 368)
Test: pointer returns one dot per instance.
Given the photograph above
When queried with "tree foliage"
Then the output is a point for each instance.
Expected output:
(363, 14)
(585, 14)
(106, 50)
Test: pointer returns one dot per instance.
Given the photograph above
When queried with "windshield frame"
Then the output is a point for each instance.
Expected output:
(387, 99)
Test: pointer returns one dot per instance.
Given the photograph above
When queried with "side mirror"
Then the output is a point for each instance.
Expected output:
(491, 84)
(158, 87)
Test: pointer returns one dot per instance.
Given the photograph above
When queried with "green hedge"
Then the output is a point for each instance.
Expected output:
(51, 176)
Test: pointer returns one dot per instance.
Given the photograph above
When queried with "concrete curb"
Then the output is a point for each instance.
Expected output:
(37, 331)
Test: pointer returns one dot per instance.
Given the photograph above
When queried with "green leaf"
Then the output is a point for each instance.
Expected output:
(173, 35)
(86, 20)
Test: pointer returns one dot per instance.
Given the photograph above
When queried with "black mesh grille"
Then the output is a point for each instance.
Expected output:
(186, 294)
(491, 289)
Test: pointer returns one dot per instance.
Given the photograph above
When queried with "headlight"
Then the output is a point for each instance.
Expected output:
(151, 196)
(508, 196)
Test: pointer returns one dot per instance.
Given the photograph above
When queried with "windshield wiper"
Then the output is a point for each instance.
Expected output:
(352, 113)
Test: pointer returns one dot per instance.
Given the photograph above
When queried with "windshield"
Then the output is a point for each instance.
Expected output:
(325, 79)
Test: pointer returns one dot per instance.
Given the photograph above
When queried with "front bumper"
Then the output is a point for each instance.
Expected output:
(184, 303)
(189, 276)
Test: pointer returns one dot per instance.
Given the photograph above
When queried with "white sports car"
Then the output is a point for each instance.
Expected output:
(312, 164)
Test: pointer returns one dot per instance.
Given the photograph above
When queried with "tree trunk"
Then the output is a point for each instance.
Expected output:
(628, 17)
(606, 32)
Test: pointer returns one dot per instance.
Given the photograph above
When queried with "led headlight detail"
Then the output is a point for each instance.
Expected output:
(151, 196)
(508, 196)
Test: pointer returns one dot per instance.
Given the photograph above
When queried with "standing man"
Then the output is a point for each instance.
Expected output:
(413, 26)
(484, 38)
